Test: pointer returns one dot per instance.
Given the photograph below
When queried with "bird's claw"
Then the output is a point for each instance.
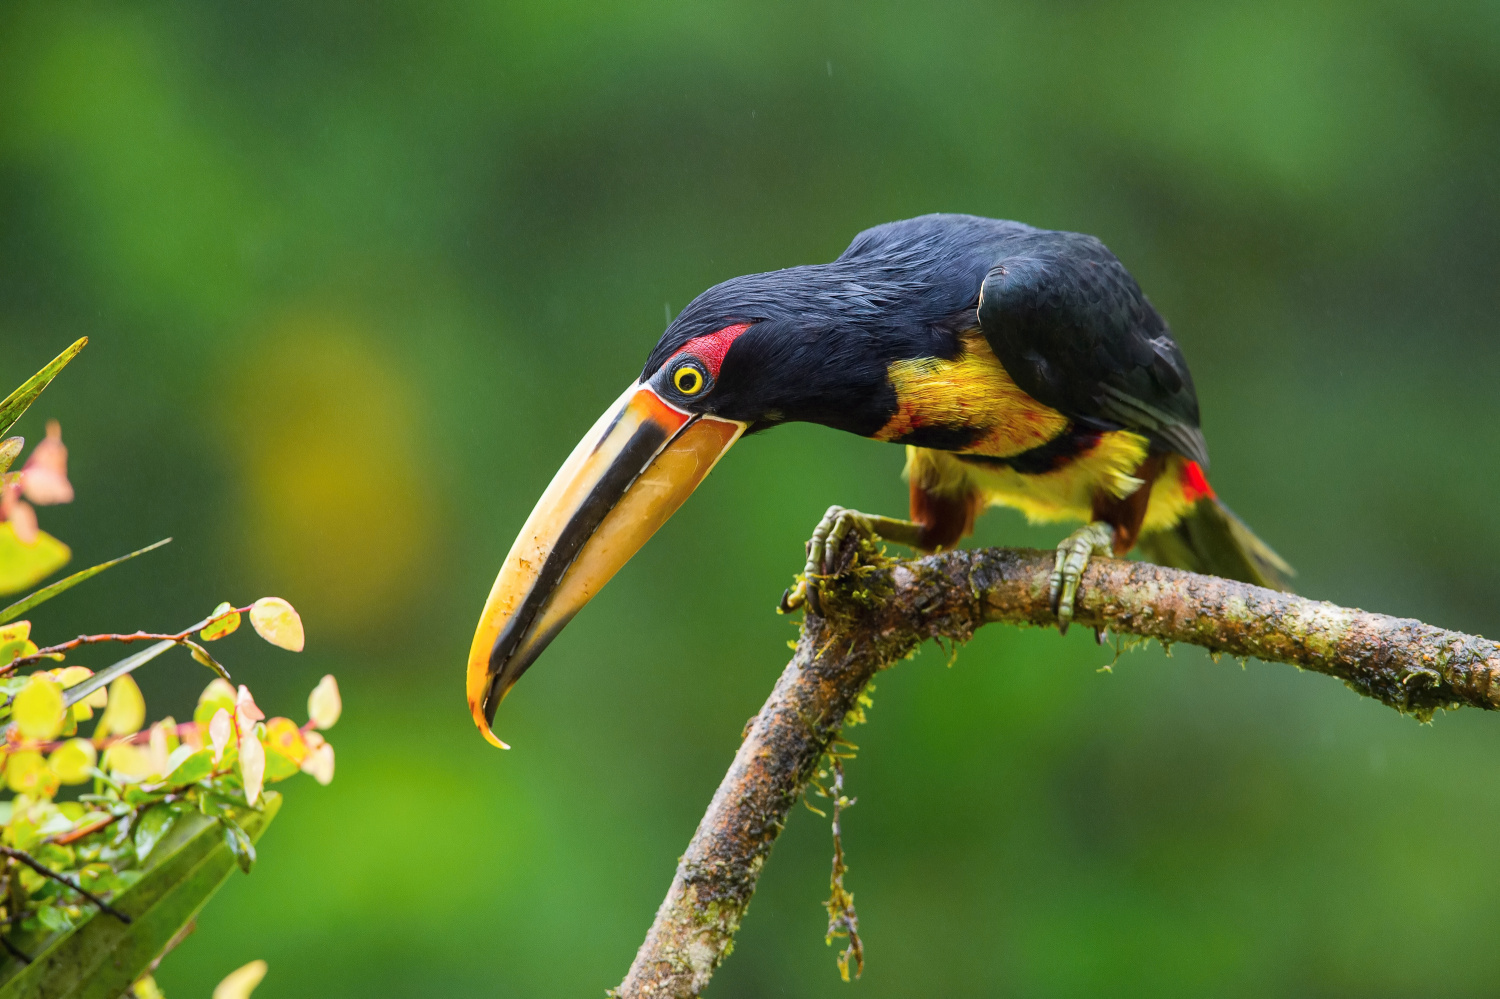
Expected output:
(823, 555)
(792, 597)
(824, 551)
(1073, 554)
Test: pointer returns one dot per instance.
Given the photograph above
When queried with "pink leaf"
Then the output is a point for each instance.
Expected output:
(246, 714)
(21, 515)
(252, 765)
(319, 764)
(218, 733)
(323, 704)
(44, 478)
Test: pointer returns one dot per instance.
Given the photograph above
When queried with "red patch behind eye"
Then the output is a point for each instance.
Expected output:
(711, 349)
(1194, 483)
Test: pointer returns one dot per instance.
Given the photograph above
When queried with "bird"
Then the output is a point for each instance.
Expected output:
(1020, 367)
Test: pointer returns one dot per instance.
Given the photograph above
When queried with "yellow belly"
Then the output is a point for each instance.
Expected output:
(1065, 494)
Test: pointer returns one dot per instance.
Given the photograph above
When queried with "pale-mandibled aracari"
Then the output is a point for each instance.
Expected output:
(1020, 367)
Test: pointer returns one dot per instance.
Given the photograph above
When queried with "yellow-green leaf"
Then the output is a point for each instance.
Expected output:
(73, 760)
(277, 622)
(225, 620)
(15, 404)
(23, 564)
(11, 651)
(10, 450)
(18, 631)
(38, 708)
(128, 760)
(146, 988)
(126, 711)
(27, 773)
(70, 676)
(238, 984)
(205, 658)
(324, 704)
(164, 736)
(219, 694)
(285, 749)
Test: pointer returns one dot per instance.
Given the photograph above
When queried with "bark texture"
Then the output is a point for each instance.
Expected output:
(879, 611)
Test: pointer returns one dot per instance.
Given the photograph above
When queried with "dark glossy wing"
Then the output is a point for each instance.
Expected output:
(1074, 330)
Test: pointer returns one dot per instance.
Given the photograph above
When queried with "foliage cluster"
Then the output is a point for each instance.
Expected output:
(93, 824)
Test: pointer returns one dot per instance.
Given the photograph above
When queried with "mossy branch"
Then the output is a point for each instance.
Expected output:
(881, 610)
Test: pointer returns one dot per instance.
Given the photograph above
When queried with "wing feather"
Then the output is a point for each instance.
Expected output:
(1074, 330)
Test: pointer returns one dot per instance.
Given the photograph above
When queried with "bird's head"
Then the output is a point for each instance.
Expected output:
(802, 344)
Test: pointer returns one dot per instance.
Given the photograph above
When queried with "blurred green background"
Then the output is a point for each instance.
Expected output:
(357, 276)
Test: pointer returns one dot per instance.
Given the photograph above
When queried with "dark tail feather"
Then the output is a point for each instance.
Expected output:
(1212, 540)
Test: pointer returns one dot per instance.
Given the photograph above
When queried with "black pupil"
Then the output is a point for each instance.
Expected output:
(687, 379)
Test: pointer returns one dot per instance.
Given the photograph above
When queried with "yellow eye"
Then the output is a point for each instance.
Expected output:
(688, 379)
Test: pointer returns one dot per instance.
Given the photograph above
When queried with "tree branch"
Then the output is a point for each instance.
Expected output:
(881, 610)
(62, 879)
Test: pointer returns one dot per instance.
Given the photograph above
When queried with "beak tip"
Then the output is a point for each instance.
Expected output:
(477, 709)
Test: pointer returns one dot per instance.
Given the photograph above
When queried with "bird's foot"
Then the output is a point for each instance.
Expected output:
(1073, 554)
(825, 550)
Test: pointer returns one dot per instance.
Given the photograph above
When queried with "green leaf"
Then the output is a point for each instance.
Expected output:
(153, 824)
(16, 403)
(191, 769)
(46, 593)
(50, 918)
(239, 843)
(22, 565)
(102, 956)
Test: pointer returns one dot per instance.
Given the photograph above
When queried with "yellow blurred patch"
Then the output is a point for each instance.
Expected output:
(337, 511)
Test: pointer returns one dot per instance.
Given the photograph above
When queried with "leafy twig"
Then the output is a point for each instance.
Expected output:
(45, 871)
(127, 637)
(73, 835)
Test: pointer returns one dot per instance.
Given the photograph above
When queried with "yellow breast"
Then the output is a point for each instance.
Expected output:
(972, 391)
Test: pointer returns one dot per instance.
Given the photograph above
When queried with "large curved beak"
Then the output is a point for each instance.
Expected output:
(628, 475)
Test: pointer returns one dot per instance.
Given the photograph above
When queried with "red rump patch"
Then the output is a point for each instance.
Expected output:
(711, 349)
(1194, 484)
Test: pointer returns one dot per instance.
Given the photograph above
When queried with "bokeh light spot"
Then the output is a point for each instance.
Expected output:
(336, 510)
